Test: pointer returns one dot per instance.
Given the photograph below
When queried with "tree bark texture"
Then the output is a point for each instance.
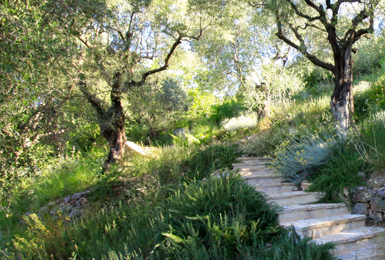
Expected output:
(111, 121)
(342, 101)
(112, 126)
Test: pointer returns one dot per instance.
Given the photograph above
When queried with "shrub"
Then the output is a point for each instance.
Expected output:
(228, 109)
(217, 216)
(303, 152)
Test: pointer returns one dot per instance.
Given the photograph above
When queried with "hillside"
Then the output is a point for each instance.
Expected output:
(121, 122)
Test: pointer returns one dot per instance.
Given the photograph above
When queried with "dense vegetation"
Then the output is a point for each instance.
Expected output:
(199, 84)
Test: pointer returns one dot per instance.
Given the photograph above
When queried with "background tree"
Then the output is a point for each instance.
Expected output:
(332, 27)
(243, 57)
(35, 83)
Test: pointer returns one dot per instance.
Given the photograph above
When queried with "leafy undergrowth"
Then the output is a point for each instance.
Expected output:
(221, 218)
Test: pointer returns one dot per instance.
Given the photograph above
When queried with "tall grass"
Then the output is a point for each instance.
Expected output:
(343, 171)
(372, 140)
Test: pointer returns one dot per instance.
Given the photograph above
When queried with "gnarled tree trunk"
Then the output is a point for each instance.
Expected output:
(342, 102)
(112, 129)
(111, 121)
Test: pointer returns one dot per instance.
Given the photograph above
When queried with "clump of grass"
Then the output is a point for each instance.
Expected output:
(372, 140)
(341, 172)
(265, 142)
(369, 98)
(241, 122)
(303, 152)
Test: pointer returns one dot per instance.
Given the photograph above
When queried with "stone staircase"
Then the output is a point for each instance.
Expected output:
(324, 222)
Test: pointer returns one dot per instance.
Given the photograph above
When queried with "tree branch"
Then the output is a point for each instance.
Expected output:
(309, 18)
(176, 43)
(95, 102)
(302, 49)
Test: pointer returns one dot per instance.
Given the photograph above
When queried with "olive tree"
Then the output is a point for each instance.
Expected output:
(123, 43)
(325, 32)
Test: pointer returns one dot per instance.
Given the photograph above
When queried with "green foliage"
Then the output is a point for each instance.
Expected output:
(221, 218)
(201, 103)
(370, 55)
(217, 216)
(227, 109)
(313, 76)
(369, 98)
(66, 178)
(372, 138)
(303, 152)
(342, 171)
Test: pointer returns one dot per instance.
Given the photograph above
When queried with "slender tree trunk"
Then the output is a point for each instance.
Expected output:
(342, 102)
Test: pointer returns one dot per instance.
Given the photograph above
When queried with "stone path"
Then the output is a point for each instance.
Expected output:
(324, 222)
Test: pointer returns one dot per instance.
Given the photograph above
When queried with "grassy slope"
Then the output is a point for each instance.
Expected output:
(148, 183)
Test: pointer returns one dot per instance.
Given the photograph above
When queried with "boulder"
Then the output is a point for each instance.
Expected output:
(381, 193)
(362, 194)
(377, 204)
(360, 208)
(377, 217)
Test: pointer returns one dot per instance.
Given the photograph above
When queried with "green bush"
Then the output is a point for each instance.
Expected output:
(228, 109)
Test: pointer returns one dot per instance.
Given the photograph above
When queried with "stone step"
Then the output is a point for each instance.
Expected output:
(258, 180)
(298, 212)
(294, 198)
(247, 172)
(251, 167)
(355, 240)
(320, 227)
(276, 188)
(250, 163)
(258, 159)
(371, 253)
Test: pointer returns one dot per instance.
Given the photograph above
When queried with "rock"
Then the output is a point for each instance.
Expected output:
(82, 202)
(377, 204)
(44, 210)
(65, 208)
(381, 193)
(362, 194)
(346, 192)
(75, 212)
(67, 199)
(360, 208)
(377, 216)
(304, 185)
